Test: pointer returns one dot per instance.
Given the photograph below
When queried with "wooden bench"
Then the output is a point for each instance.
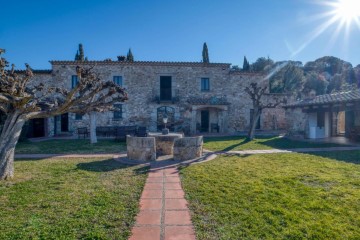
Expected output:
(122, 131)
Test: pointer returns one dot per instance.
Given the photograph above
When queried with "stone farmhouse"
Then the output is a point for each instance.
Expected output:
(196, 97)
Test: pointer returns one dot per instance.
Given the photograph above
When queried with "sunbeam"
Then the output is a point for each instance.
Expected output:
(344, 13)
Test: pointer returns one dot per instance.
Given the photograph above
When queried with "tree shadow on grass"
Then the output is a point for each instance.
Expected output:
(285, 143)
(231, 147)
(108, 166)
(343, 156)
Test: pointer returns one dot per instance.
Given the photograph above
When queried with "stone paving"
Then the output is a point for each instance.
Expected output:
(164, 214)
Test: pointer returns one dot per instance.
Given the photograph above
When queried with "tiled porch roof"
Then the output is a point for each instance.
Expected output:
(208, 101)
(339, 97)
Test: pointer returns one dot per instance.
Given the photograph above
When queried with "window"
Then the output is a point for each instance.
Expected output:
(117, 111)
(78, 116)
(205, 84)
(74, 81)
(165, 88)
(118, 80)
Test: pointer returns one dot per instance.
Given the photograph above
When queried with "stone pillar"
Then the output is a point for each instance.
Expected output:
(193, 121)
(224, 116)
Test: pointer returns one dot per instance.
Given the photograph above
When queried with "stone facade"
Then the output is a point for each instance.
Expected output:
(225, 106)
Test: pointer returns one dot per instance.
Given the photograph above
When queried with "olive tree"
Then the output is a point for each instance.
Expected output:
(22, 99)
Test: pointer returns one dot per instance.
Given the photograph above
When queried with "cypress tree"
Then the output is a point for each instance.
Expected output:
(130, 57)
(246, 65)
(81, 52)
(77, 55)
(205, 53)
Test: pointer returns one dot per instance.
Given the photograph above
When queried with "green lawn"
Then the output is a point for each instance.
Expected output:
(260, 143)
(71, 146)
(276, 196)
(70, 199)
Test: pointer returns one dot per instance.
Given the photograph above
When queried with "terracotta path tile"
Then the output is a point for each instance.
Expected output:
(156, 174)
(171, 204)
(172, 179)
(174, 193)
(154, 186)
(145, 233)
(179, 233)
(162, 205)
(149, 217)
(152, 194)
(177, 217)
(154, 179)
(172, 186)
(151, 204)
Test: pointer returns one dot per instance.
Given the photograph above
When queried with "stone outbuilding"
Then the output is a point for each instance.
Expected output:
(323, 116)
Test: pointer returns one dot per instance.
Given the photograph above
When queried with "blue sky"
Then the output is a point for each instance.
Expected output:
(168, 30)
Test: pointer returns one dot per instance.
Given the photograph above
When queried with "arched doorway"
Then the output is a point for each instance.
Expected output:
(161, 113)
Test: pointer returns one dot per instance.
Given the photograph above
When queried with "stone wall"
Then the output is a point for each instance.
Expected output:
(142, 82)
(297, 122)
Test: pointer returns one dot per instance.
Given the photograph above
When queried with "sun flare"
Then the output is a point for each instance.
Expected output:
(347, 10)
(344, 15)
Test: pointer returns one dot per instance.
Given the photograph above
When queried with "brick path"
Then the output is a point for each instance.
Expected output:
(164, 214)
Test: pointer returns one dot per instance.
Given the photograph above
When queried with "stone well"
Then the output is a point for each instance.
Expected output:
(188, 148)
(141, 148)
(165, 143)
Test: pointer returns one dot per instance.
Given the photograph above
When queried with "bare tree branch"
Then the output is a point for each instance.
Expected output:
(22, 99)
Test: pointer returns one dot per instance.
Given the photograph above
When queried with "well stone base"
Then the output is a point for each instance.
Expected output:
(141, 148)
(165, 143)
(188, 148)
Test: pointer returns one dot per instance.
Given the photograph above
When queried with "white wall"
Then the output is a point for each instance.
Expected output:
(314, 130)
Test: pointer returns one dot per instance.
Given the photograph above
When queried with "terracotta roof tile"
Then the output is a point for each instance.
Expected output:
(143, 63)
(38, 71)
(339, 97)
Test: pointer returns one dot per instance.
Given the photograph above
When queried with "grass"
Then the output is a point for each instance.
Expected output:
(70, 199)
(70, 146)
(276, 196)
(260, 143)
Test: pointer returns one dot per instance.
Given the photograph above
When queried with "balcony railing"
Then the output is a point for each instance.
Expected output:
(173, 98)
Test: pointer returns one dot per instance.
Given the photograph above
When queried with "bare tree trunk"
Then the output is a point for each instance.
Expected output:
(251, 133)
(93, 138)
(8, 140)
